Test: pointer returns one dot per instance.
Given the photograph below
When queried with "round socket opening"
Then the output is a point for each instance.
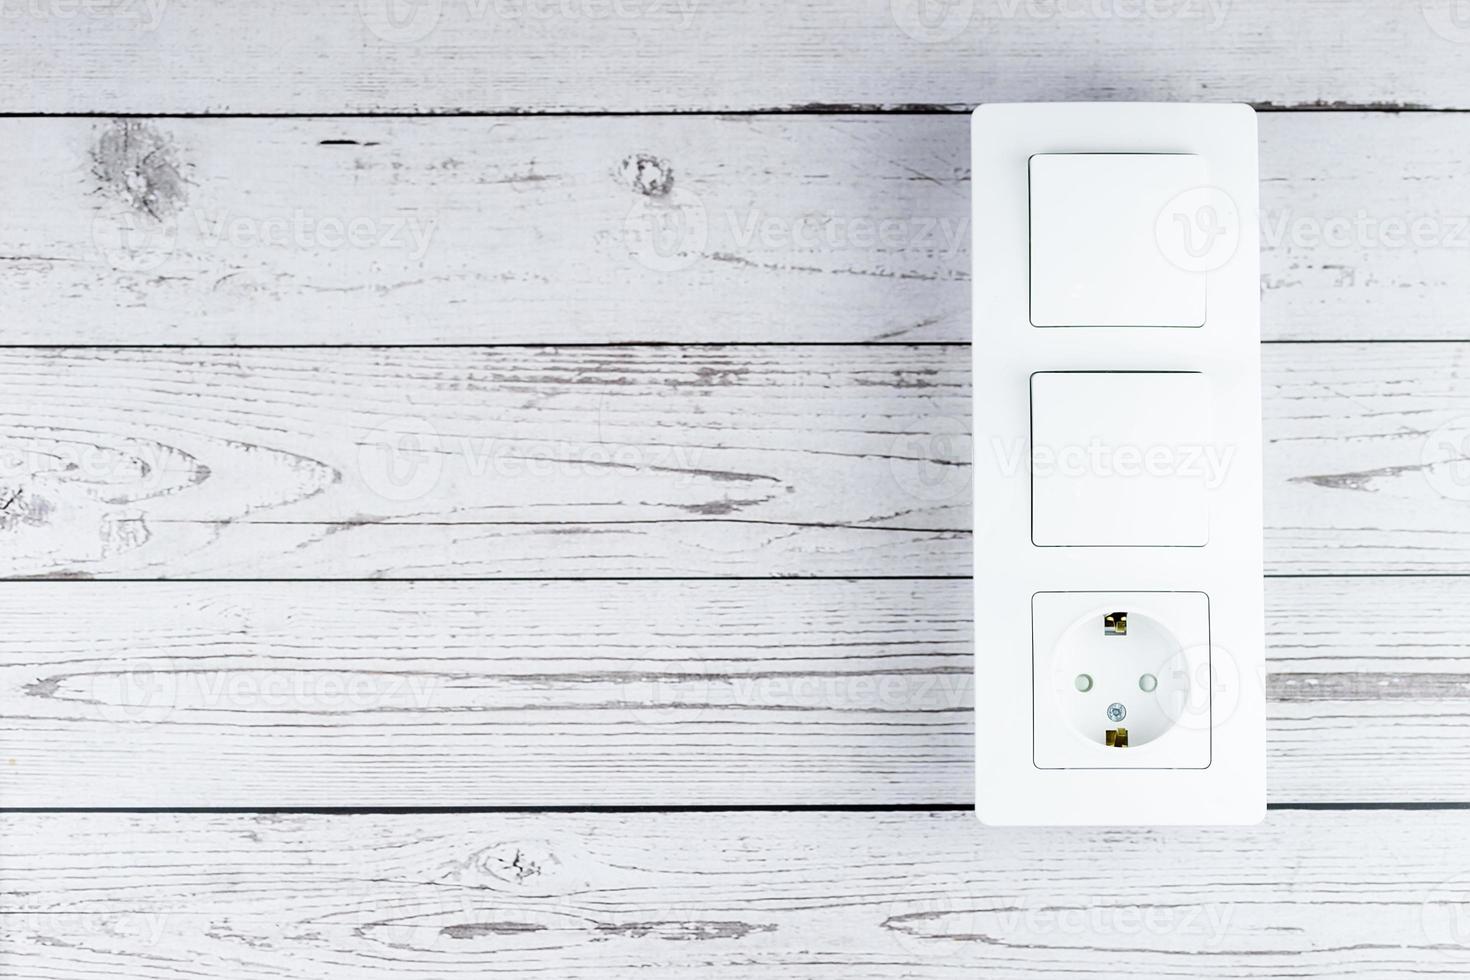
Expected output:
(1137, 681)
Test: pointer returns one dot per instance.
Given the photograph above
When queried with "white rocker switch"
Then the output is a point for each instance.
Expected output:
(1096, 222)
(1119, 600)
(1121, 458)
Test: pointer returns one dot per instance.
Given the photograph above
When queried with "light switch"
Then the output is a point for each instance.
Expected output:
(1121, 458)
(1099, 256)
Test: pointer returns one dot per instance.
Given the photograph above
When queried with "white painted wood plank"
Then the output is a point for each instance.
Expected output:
(637, 462)
(484, 230)
(1368, 689)
(639, 693)
(811, 895)
(640, 55)
(503, 462)
(1368, 458)
(772, 228)
(1365, 226)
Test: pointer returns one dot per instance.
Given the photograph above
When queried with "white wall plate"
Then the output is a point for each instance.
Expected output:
(1119, 642)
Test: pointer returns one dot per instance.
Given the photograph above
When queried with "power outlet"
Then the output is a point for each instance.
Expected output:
(1121, 680)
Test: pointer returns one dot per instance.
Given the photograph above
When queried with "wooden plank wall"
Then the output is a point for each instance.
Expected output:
(594, 56)
(484, 484)
(236, 230)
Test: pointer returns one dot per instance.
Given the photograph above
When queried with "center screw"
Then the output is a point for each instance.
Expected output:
(1116, 712)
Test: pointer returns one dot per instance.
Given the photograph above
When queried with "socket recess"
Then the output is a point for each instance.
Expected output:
(1121, 680)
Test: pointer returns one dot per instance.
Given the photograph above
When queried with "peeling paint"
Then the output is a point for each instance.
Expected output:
(474, 930)
(43, 687)
(685, 931)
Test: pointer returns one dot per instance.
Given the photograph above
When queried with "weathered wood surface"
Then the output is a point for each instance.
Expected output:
(520, 462)
(646, 693)
(154, 56)
(638, 462)
(811, 895)
(630, 463)
(615, 229)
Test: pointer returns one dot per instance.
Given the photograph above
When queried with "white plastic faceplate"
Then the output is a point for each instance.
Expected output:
(1117, 450)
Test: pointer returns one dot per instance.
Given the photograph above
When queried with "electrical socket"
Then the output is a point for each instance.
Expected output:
(1121, 680)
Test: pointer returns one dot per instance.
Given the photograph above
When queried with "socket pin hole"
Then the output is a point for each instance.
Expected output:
(1083, 682)
(1148, 682)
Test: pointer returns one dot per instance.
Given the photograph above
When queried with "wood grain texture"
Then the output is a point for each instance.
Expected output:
(679, 55)
(506, 462)
(637, 229)
(810, 895)
(638, 462)
(795, 692)
(1384, 430)
(360, 231)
